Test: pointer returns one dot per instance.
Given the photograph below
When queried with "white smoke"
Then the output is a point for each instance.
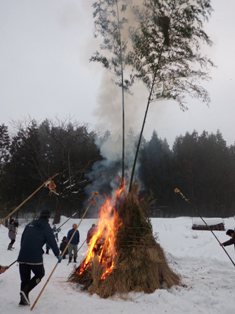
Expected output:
(109, 117)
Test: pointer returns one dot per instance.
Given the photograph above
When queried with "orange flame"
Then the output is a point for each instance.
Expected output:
(103, 241)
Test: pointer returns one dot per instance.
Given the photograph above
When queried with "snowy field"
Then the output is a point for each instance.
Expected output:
(207, 274)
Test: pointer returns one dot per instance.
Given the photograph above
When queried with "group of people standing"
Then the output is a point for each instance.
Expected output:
(38, 233)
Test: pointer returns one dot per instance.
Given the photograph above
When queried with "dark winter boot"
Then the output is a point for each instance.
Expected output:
(24, 293)
(70, 259)
(10, 246)
(75, 260)
(24, 300)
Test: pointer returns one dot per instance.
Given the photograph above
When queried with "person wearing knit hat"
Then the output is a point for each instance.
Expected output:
(45, 214)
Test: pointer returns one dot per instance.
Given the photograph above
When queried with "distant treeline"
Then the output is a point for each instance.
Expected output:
(201, 166)
(38, 151)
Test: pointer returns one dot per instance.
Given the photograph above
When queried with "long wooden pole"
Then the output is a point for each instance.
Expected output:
(7, 267)
(12, 264)
(54, 268)
(123, 92)
(28, 198)
(58, 228)
(82, 245)
(188, 201)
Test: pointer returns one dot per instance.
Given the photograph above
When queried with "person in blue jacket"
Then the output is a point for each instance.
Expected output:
(73, 245)
(35, 235)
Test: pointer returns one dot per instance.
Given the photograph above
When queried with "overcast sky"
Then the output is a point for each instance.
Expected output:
(45, 71)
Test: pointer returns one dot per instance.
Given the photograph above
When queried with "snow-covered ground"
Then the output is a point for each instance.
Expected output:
(207, 274)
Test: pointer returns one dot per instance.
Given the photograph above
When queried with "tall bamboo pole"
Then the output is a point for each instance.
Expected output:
(145, 117)
(54, 268)
(123, 96)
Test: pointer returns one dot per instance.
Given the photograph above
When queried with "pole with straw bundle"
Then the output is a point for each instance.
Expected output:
(28, 198)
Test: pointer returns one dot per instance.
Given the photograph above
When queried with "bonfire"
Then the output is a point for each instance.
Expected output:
(123, 255)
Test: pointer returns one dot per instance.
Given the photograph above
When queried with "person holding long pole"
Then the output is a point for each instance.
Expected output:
(91, 199)
(35, 235)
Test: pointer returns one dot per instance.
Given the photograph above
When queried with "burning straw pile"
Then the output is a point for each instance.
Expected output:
(123, 255)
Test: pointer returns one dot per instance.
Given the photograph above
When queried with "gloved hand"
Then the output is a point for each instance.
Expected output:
(58, 230)
(59, 258)
(3, 269)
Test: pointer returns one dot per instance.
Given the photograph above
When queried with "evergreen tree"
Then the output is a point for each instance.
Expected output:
(38, 152)
(4, 145)
(202, 171)
(22, 171)
(156, 169)
(70, 150)
(4, 155)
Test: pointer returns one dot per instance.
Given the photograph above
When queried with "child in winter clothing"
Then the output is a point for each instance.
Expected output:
(63, 246)
(13, 224)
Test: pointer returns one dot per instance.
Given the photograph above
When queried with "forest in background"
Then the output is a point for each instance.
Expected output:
(201, 166)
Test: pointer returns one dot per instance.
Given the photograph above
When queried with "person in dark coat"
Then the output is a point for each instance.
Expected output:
(90, 233)
(12, 227)
(73, 245)
(230, 233)
(35, 235)
(63, 246)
